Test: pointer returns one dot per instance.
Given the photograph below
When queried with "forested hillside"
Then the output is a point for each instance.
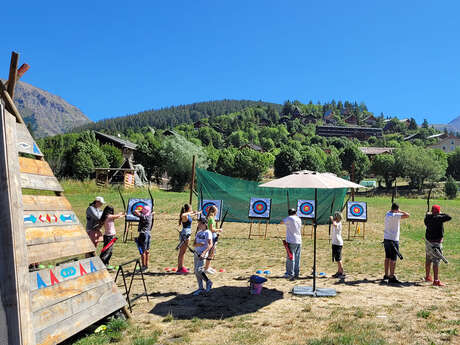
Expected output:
(173, 116)
(260, 141)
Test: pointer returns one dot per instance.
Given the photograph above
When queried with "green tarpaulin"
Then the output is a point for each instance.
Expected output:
(236, 194)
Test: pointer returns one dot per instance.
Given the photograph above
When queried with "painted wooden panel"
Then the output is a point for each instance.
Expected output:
(51, 234)
(40, 182)
(24, 141)
(35, 166)
(47, 218)
(45, 203)
(50, 278)
(56, 250)
(86, 309)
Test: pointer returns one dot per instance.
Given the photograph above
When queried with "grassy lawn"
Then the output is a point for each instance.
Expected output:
(363, 312)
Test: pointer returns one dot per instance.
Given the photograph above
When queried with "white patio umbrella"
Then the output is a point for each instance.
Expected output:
(313, 180)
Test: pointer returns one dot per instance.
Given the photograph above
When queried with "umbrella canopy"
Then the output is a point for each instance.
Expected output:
(311, 179)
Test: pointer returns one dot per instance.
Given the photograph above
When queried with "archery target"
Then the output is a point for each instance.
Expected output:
(306, 209)
(357, 211)
(136, 204)
(259, 208)
(204, 207)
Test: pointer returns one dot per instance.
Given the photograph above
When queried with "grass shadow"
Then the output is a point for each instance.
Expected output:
(221, 303)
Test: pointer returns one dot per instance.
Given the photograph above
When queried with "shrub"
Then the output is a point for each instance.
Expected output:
(450, 188)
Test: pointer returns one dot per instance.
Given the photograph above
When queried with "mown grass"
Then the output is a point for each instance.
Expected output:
(240, 257)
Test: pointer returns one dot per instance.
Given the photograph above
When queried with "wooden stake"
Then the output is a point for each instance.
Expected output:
(13, 74)
(192, 184)
(10, 103)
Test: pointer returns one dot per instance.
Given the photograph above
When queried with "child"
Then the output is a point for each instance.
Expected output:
(185, 219)
(107, 220)
(337, 244)
(434, 236)
(203, 244)
(212, 227)
(143, 241)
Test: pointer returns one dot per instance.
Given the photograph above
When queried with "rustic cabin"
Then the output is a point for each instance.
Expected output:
(361, 133)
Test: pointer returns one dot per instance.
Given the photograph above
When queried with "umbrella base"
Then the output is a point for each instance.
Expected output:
(308, 291)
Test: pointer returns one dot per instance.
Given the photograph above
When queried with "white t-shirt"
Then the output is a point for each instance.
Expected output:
(293, 229)
(336, 236)
(392, 220)
(202, 238)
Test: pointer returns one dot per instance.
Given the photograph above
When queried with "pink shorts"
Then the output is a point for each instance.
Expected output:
(95, 236)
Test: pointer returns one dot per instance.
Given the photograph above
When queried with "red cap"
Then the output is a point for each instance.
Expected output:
(436, 209)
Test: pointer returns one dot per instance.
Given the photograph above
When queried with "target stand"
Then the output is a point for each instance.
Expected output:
(259, 212)
(357, 218)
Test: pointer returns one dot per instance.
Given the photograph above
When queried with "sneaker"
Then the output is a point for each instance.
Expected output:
(438, 283)
(208, 286)
(198, 292)
(292, 279)
(342, 275)
(393, 280)
(336, 275)
(144, 269)
(183, 270)
(385, 277)
(287, 276)
(210, 270)
(428, 279)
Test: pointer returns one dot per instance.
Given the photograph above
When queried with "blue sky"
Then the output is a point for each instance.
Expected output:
(112, 58)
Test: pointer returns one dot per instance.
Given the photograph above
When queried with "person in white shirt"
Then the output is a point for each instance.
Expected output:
(391, 241)
(203, 244)
(294, 241)
(337, 243)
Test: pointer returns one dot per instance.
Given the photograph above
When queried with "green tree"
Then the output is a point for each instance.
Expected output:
(287, 161)
(313, 159)
(450, 188)
(113, 155)
(385, 166)
(354, 162)
(251, 165)
(453, 164)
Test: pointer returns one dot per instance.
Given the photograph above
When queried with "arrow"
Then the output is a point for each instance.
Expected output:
(30, 219)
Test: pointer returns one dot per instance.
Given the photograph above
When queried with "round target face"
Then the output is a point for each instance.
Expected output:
(259, 207)
(306, 208)
(356, 210)
(138, 206)
(206, 207)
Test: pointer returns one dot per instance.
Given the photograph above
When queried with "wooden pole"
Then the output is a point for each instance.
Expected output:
(10, 103)
(192, 184)
(13, 74)
(21, 71)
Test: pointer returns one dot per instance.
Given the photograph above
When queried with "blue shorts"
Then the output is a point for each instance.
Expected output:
(185, 234)
(143, 241)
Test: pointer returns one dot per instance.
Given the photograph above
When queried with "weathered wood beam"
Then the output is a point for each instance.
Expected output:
(12, 78)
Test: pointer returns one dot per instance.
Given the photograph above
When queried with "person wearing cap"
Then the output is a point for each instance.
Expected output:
(391, 241)
(143, 241)
(434, 235)
(294, 241)
(93, 215)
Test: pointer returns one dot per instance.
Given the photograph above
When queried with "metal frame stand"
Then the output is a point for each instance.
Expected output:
(128, 290)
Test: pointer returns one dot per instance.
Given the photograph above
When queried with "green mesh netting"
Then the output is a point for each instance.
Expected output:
(237, 193)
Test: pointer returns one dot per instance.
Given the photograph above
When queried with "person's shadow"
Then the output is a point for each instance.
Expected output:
(221, 303)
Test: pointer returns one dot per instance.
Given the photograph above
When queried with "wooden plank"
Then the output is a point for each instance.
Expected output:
(56, 250)
(41, 280)
(51, 234)
(35, 166)
(25, 142)
(14, 275)
(97, 304)
(50, 218)
(40, 182)
(10, 103)
(12, 77)
(45, 203)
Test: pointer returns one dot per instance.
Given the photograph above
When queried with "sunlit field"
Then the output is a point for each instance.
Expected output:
(365, 311)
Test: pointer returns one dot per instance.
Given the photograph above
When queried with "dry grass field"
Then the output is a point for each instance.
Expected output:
(365, 311)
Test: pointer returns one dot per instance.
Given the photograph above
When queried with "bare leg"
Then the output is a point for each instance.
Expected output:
(339, 267)
(428, 268)
(210, 256)
(387, 266)
(180, 259)
(392, 268)
(436, 272)
(147, 254)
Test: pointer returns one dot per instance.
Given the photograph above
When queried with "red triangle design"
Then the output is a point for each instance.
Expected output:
(82, 270)
(53, 278)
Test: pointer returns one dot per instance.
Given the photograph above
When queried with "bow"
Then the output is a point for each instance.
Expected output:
(330, 214)
(153, 204)
(428, 200)
(122, 199)
(394, 193)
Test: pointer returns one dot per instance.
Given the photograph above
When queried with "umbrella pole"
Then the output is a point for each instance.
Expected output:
(314, 243)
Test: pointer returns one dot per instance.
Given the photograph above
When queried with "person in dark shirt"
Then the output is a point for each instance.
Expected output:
(434, 235)
(143, 241)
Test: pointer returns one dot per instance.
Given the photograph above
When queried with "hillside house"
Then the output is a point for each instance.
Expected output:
(361, 133)
(352, 120)
(310, 118)
(252, 147)
(329, 118)
(199, 124)
(447, 144)
(370, 121)
(127, 148)
(371, 152)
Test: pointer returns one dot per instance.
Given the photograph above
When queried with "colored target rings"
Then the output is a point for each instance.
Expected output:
(259, 207)
(306, 208)
(207, 206)
(138, 206)
(356, 210)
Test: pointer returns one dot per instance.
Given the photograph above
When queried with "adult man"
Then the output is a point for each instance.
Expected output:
(93, 214)
(434, 236)
(294, 241)
(391, 241)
